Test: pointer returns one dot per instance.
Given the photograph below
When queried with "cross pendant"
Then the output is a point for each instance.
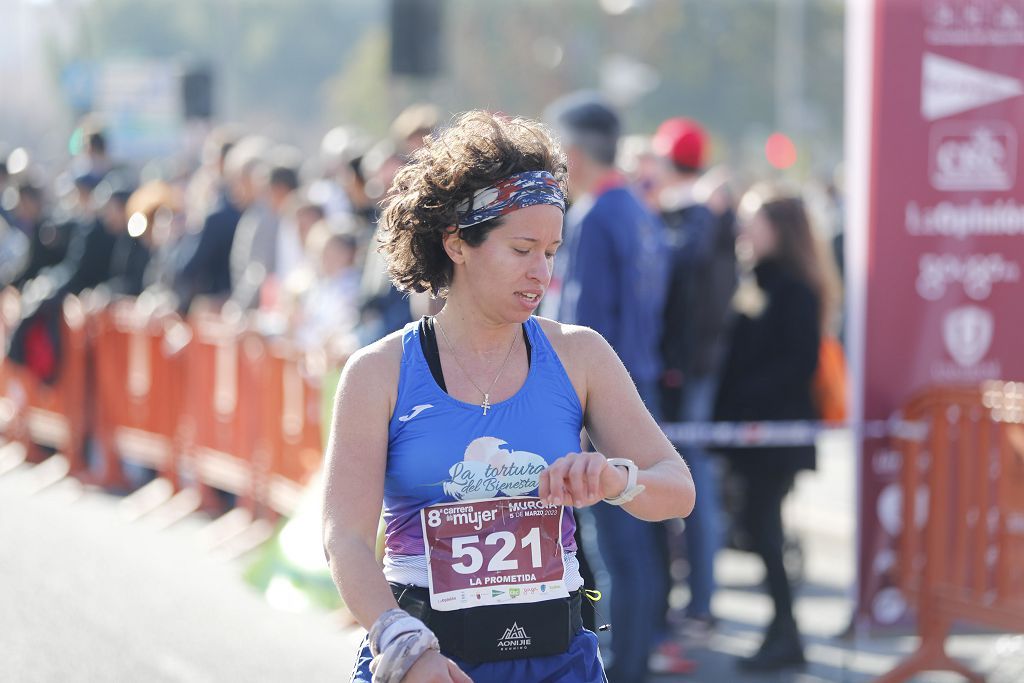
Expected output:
(487, 403)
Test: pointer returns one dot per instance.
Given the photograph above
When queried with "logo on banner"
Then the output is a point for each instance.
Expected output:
(967, 332)
(949, 87)
(981, 22)
(971, 156)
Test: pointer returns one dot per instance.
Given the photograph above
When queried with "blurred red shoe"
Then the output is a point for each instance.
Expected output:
(670, 658)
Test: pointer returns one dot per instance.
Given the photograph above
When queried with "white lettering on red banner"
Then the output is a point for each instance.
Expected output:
(976, 273)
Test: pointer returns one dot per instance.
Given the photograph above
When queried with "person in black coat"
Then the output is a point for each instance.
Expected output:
(206, 257)
(87, 262)
(35, 342)
(47, 239)
(767, 375)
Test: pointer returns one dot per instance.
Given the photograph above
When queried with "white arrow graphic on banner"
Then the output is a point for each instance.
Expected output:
(949, 87)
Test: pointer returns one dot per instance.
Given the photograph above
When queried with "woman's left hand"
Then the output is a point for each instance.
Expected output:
(580, 479)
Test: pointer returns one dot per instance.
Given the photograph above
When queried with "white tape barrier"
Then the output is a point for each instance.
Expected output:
(783, 433)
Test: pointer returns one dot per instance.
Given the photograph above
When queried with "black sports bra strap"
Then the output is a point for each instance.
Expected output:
(428, 342)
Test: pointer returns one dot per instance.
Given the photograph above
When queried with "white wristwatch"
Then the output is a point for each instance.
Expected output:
(632, 489)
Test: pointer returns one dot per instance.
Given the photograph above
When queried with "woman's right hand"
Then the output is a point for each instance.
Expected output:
(434, 667)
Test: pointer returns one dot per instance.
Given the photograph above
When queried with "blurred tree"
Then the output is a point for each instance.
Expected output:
(310, 64)
(270, 58)
(358, 93)
(715, 59)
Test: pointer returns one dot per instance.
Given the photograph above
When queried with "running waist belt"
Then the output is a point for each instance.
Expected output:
(494, 633)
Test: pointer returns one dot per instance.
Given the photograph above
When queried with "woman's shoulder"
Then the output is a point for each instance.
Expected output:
(573, 341)
(564, 333)
(378, 361)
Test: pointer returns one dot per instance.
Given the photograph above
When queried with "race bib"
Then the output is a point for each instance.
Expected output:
(493, 552)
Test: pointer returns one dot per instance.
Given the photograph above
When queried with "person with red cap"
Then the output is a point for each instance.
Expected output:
(701, 285)
(683, 142)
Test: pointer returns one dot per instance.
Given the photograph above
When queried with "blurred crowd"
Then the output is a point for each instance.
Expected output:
(255, 227)
(714, 291)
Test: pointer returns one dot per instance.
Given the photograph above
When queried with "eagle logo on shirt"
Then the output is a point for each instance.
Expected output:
(490, 467)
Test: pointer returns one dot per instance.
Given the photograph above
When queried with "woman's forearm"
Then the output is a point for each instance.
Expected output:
(359, 578)
(668, 492)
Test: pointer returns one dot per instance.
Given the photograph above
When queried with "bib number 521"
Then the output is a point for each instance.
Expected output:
(465, 548)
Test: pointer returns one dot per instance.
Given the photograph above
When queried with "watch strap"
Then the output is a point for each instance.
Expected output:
(632, 489)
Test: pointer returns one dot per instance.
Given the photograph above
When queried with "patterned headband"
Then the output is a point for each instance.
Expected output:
(518, 191)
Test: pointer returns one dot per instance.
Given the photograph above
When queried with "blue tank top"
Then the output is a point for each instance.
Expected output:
(442, 450)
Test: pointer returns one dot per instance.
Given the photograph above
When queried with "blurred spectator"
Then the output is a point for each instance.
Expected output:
(826, 205)
(14, 253)
(206, 266)
(284, 200)
(340, 189)
(354, 183)
(206, 185)
(696, 310)
(379, 166)
(35, 342)
(613, 277)
(383, 308)
(331, 305)
(414, 123)
(836, 194)
(254, 248)
(47, 240)
(686, 348)
(5, 179)
(312, 227)
(77, 204)
(131, 253)
(87, 262)
(93, 158)
(643, 167)
(148, 256)
(307, 215)
(767, 375)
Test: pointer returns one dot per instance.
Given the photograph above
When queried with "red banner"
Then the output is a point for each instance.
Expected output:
(940, 271)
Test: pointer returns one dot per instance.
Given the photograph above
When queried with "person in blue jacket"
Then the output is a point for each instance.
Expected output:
(465, 427)
(614, 277)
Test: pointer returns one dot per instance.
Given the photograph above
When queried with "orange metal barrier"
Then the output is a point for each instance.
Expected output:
(53, 415)
(209, 405)
(291, 426)
(220, 418)
(965, 561)
(140, 363)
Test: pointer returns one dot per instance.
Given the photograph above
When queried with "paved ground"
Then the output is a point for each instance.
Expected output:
(822, 512)
(87, 596)
(96, 598)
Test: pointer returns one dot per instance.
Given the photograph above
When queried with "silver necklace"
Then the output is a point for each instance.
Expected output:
(486, 403)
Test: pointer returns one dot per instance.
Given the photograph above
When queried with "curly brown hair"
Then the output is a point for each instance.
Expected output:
(475, 151)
